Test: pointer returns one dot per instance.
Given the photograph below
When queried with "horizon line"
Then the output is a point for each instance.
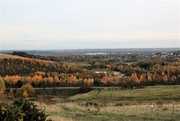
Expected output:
(86, 49)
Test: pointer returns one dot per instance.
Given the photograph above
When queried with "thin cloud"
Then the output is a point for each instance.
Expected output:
(89, 24)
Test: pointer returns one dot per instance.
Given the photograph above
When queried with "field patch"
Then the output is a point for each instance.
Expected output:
(2, 55)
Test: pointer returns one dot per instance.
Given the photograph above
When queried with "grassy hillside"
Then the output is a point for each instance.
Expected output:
(2, 55)
(152, 93)
(15, 65)
(118, 105)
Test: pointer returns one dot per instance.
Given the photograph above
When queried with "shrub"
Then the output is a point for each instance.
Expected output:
(10, 113)
(21, 110)
(19, 84)
(27, 87)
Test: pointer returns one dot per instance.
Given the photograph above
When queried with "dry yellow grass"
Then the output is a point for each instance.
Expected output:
(54, 111)
(2, 55)
(76, 112)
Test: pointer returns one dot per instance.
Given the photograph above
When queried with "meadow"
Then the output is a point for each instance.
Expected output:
(160, 103)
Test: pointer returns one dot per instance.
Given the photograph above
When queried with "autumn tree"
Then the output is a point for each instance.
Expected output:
(72, 80)
(36, 79)
(27, 79)
(143, 78)
(105, 80)
(117, 80)
(90, 81)
(2, 84)
(164, 77)
(25, 94)
(57, 80)
(27, 87)
(50, 80)
(135, 78)
(149, 76)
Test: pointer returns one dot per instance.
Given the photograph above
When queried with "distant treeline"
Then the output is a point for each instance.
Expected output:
(42, 73)
(50, 58)
(26, 66)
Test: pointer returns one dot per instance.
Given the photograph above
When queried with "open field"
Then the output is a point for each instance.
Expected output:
(2, 55)
(160, 103)
(128, 63)
(140, 112)
(151, 93)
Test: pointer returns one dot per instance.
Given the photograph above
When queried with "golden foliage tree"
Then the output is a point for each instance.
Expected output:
(50, 80)
(90, 81)
(2, 84)
(11, 79)
(56, 79)
(36, 79)
(143, 78)
(135, 78)
(149, 76)
(105, 80)
(72, 80)
(25, 94)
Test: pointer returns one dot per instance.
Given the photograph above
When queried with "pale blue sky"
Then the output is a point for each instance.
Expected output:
(76, 24)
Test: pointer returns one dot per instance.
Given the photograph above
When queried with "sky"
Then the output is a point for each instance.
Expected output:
(88, 24)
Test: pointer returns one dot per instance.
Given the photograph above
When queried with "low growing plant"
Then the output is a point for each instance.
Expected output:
(22, 110)
(27, 87)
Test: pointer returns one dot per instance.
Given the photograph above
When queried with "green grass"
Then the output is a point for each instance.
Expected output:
(129, 63)
(117, 113)
(158, 93)
(162, 98)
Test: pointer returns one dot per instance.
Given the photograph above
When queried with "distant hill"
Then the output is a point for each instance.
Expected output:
(16, 65)
(3, 55)
(70, 52)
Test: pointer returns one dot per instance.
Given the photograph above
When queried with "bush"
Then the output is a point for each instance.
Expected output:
(19, 84)
(21, 110)
(27, 87)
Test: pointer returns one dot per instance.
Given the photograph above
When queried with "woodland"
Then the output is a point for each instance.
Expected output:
(89, 71)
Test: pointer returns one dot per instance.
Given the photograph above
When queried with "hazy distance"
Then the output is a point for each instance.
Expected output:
(81, 24)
